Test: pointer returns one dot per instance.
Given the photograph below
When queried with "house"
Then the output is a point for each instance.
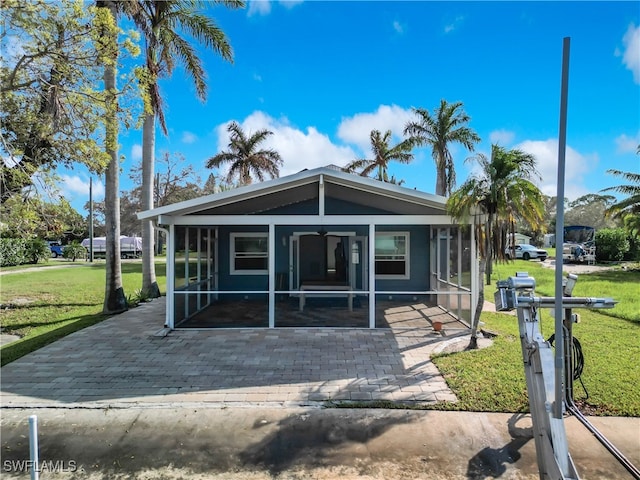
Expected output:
(317, 248)
(520, 239)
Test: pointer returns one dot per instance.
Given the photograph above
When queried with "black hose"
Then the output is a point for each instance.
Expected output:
(577, 363)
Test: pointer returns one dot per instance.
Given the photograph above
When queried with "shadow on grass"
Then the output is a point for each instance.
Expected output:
(18, 349)
(41, 304)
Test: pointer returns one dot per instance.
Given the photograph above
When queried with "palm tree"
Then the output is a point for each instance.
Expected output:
(107, 16)
(383, 153)
(245, 158)
(163, 25)
(447, 125)
(627, 209)
(501, 192)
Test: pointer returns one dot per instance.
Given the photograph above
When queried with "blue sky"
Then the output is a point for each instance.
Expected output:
(322, 75)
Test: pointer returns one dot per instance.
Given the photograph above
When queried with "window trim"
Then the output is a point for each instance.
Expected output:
(407, 274)
(232, 253)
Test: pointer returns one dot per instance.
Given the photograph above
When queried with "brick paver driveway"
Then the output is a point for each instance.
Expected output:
(122, 361)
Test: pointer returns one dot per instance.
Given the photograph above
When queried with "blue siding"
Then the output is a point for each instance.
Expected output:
(334, 206)
(306, 207)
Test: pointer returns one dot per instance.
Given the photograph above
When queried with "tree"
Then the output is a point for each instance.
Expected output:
(447, 125)
(32, 217)
(629, 206)
(590, 210)
(49, 80)
(216, 184)
(106, 19)
(495, 197)
(163, 25)
(383, 153)
(245, 157)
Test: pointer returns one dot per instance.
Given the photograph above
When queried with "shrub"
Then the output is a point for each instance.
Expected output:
(611, 244)
(73, 251)
(12, 251)
(37, 251)
(634, 249)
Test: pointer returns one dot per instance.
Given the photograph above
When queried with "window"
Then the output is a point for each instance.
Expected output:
(249, 253)
(392, 254)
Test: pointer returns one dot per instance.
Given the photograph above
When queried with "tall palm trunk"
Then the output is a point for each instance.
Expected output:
(441, 179)
(114, 297)
(149, 282)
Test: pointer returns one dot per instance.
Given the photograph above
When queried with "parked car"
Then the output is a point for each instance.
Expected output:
(526, 252)
(56, 249)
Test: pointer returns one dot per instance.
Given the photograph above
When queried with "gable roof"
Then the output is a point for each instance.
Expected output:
(300, 186)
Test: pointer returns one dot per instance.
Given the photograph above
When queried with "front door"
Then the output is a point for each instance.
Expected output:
(325, 258)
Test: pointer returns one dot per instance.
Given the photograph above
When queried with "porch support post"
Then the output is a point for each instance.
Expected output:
(321, 197)
(272, 275)
(171, 278)
(372, 275)
(474, 272)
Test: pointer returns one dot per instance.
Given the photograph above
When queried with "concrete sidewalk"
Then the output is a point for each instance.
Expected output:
(299, 443)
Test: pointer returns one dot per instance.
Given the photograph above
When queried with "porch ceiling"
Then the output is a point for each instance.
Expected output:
(265, 202)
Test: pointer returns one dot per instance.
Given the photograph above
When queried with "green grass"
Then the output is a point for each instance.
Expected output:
(44, 305)
(492, 379)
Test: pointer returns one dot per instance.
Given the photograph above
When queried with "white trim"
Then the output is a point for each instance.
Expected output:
(309, 220)
(321, 196)
(232, 252)
(199, 266)
(171, 277)
(474, 273)
(271, 249)
(372, 275)
(407, 255)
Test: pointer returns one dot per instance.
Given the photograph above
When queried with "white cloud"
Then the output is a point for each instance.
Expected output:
(625, 144)
(76, 185)
(502, 137)
(259, 7)
(289, 4)
(398, 27)
(577, 166)
(450, 27)
(263, 7)
(357, 129)
(631, 54)
(136, 152)
(298, 148)
(188, 137)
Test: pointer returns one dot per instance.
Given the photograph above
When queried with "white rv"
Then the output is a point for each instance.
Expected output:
(130, 247)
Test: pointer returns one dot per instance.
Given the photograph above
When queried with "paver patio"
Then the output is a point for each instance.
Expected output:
(123, 361)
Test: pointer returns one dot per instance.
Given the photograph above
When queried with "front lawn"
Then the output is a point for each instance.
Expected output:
(46, 304)
(492, 379)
